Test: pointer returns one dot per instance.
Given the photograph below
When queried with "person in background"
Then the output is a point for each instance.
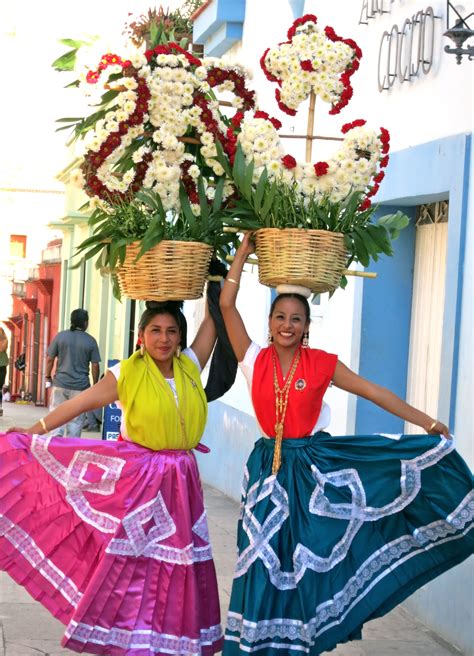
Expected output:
(334, 530)
(75, 353)
(3, 364)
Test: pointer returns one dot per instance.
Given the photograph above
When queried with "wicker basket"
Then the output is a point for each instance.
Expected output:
(171, 270)
(310, 258)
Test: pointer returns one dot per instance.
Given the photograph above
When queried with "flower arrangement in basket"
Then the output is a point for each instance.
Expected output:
(312, 219)
(149, 164)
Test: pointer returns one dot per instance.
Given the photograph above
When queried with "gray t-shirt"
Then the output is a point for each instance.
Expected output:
(74, 350)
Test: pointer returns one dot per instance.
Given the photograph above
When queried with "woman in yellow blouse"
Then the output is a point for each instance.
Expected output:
(121, 525)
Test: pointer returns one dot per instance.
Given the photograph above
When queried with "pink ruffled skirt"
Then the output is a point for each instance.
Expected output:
(112, 539)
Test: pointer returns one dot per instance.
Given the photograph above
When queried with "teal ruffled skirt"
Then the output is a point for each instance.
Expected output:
(348, 528)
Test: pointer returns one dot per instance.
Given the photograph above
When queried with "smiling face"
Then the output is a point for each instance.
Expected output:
(288, 322)
(161, 337)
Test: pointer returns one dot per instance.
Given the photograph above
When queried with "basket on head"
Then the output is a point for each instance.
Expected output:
(309, 258)
(171, 270)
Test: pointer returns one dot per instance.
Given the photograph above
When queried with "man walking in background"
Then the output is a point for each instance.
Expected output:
(73, 350)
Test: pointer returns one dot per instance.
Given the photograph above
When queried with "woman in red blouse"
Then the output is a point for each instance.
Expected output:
(334, 531)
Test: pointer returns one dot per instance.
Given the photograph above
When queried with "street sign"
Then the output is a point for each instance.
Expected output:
(112, 416)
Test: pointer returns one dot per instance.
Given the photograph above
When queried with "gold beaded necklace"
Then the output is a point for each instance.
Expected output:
(281, 403)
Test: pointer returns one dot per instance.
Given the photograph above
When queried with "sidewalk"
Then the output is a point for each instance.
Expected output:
(27, 629)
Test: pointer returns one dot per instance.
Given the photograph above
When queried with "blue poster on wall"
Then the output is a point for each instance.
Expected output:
(112, 416)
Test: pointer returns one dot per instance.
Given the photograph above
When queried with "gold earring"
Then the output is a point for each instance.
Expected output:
(178, 352)
(270, 337)
(142, 350)
(305, 340)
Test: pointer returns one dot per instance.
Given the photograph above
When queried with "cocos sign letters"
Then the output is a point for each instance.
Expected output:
(403, 52)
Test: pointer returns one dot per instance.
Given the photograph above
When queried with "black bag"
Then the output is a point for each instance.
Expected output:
(20, 362)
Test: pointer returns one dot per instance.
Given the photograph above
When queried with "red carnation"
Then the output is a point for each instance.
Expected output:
(355, 124)
(373, 190)
(288, 161)
(275, 122)
(384, 136)
(261, 114)
(365, 205)
(237, 119)
(282, 106)
(384, 162)
(379, 177)
(306, 65)
(321, 168)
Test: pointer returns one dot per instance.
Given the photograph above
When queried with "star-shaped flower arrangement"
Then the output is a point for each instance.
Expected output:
(312, 61)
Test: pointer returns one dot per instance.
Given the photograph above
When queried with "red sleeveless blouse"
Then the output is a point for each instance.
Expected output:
(310, 382)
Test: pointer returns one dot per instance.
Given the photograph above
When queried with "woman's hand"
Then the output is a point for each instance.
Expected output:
(247, 245)
(438, 428)
(19, 429)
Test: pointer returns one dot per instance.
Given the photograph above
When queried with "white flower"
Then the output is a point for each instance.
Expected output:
(77, 178)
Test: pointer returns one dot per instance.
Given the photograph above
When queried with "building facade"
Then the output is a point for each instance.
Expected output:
(410, 329)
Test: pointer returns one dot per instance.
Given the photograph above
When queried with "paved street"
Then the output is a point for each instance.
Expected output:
(27, 629)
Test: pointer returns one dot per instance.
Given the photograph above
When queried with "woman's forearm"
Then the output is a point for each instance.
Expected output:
(389, 401)
(101, 394)
(231, 285)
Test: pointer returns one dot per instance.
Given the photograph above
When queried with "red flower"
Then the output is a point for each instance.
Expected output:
(355, 124)
(330, 33)
(379, 177)
(321, 168)
(237, 119)
(288, 161)
(365, 205)
(354, 46)
(384, 136)
(282, 106)
(384, 162)
(274, 121)
(306, 65)
(301, 21)
(385, 148)
(373, 190)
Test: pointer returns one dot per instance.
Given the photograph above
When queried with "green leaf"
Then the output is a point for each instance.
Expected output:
(380, 236)
(369, 243)
(260, 190)
(222, 159)
(268, 201)
(155, 34)
(66, 62)
(68, 120)
(217, 202)
(72, 43)
(361, 252)
(248, 179)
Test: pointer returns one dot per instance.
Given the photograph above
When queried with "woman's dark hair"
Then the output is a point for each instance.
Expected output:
(298, 297)
(153, 308)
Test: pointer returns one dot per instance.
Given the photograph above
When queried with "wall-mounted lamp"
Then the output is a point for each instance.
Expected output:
(459, 33)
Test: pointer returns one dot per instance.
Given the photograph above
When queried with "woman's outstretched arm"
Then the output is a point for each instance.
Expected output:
(97, 396)
(238, 337)
(381, 396)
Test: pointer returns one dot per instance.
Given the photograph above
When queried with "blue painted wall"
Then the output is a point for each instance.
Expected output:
(385, 328)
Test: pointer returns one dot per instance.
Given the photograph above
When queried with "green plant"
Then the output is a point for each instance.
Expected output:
(273, 203)
(144, 219)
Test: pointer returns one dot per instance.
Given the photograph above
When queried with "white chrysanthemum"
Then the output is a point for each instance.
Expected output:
(76, 178)
(194, 171)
